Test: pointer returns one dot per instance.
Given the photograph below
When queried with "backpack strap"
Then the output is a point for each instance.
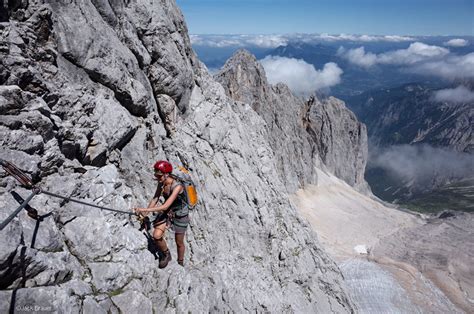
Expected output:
(181, 196)
(175, 184)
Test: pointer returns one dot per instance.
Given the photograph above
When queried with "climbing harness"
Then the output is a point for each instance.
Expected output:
(145, 227)
(26, 182)
(145, 223)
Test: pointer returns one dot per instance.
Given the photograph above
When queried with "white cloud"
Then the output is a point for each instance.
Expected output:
(424, 59)
(459, 94)
(267, 41)
(273, 41)
(225, 43)
(452, 67)
(221, 41)
(418, 163)
(416, 52)
(457, 42)
(358, 56)
(195, 39)
(301, 77)
(364, 38)
(396, 38)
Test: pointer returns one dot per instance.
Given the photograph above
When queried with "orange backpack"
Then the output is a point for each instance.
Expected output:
(182, 175)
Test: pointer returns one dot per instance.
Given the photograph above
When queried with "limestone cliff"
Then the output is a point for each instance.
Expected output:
(91, 94)
(304, 134)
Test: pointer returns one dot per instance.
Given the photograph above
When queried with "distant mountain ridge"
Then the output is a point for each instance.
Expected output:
(409, 115)
(355, 79)
(409, 129)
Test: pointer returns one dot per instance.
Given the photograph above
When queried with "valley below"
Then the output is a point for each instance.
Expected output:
(392, 259)
(456, 196)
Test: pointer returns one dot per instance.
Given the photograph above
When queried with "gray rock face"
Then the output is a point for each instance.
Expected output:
(303, 134)
(86, 114)
(226, 137)
(119, 71)
(341, 139)
(130, 301)
(156, 35)
(244, 80)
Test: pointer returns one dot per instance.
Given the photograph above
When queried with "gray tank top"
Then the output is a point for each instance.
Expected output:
(179, 206)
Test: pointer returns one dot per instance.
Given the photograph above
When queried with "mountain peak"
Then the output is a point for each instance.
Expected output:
(242, 55)
(244, 60)
(243, 77)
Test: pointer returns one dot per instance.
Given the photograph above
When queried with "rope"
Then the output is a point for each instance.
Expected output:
(12, 215)
(87, 204)
(25, 181)
(32, 212)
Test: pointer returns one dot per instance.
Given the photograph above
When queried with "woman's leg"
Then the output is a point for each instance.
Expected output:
(179, 238)
(158, 236)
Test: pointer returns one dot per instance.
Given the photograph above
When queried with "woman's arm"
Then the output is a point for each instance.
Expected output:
(156, 197)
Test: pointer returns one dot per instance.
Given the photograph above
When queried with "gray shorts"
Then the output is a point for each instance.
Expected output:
(179, 225)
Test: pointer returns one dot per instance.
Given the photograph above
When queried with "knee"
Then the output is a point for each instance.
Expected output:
(179, 243)
(158, 236)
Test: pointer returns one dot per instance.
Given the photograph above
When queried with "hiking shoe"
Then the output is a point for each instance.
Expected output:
(165, 260)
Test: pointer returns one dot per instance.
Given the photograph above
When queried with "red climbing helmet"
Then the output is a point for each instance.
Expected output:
(163, 166)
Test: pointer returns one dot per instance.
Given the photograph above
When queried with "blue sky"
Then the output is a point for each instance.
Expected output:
(378, 17)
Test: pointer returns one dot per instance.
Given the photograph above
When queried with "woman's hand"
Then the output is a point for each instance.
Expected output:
(140, 210)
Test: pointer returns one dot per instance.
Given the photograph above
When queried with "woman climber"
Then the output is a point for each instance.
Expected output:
(174, 211)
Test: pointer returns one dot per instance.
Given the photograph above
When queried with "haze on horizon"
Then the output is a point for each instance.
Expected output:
(375, 17)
